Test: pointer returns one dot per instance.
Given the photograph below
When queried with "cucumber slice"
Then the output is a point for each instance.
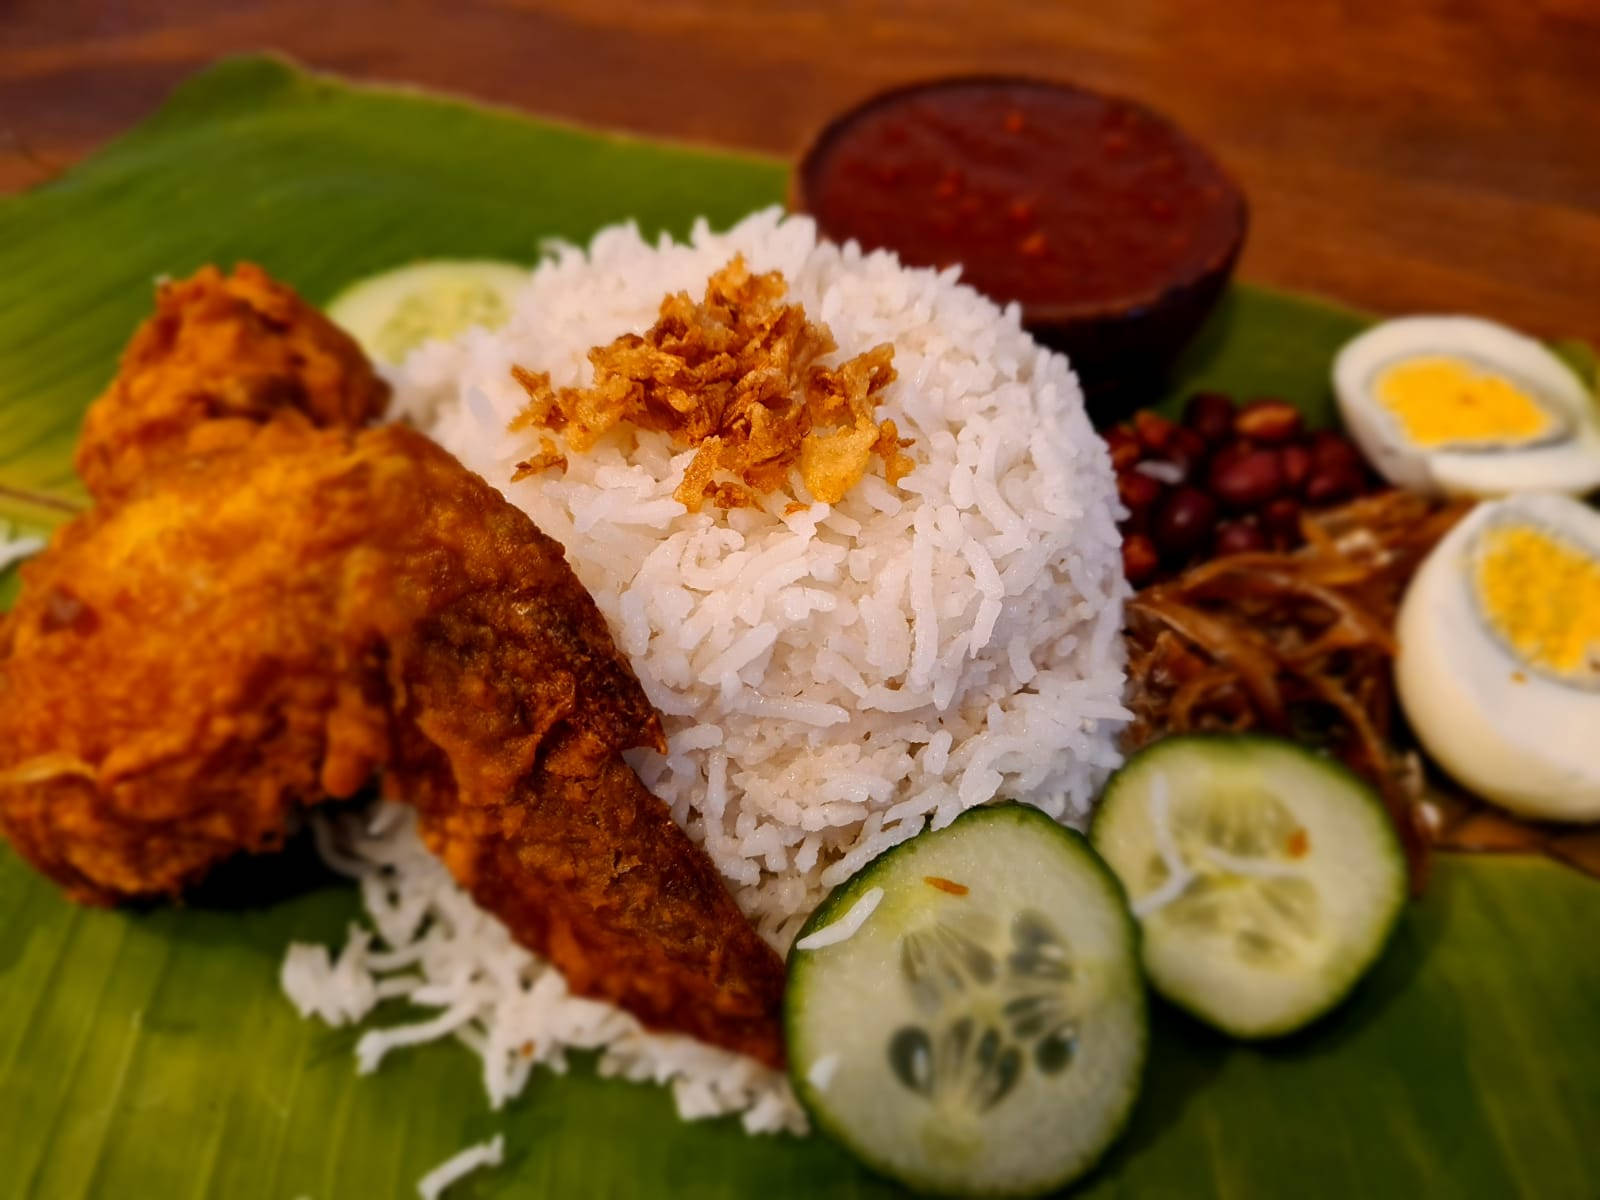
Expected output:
(392, 313)
(1267, 878)
(966, 1014)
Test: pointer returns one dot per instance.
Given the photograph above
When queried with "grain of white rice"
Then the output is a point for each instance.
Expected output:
(822, 1071)
(338, 991)
(847, 926)
(832, 680)
(1168, 473)
(458, 1167)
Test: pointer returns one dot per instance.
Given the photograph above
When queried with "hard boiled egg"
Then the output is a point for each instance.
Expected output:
(1499, 661)
(1462, 406)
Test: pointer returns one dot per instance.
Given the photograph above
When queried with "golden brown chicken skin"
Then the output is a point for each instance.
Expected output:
(221, 356)
(258, 626)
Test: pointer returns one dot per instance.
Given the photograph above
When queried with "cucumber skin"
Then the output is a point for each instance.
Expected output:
(1329, 765)
(838, 901)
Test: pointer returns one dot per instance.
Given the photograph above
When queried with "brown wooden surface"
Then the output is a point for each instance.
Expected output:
(1407, 155)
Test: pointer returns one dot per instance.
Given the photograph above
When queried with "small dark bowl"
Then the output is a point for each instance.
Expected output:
(1121, 334)
(1123, 350)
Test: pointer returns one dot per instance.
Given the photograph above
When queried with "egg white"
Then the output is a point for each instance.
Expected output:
(1519, 739)
(1569, 464)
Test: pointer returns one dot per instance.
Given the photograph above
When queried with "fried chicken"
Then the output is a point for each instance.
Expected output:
(220, 357)
(263, 620)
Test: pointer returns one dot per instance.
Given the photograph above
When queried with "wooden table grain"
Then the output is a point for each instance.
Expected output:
(1412, 155)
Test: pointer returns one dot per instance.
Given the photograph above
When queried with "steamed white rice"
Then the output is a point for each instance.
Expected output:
(831, 681)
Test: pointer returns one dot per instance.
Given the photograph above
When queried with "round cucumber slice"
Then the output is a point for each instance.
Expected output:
(1267, 877)
(392, 313)
(966, 1014)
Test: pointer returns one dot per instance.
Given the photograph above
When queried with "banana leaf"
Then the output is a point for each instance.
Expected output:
(150, 1054)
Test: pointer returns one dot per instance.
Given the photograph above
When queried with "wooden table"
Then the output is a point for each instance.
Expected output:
(1412, 155)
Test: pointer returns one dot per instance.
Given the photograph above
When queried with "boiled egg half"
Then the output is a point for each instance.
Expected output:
(1464, 407)
(1499, 660)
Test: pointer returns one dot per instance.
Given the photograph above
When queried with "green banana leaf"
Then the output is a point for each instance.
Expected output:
(150, 1053)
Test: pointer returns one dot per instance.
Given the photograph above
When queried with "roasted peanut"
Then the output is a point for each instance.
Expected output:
(1332, 452)
(1281, 519)
(1183, 522)
(1188, 450)
(1153, 430)
(1210, 414)
(1124, 447)
(1296, 462)
(1243, 476)
(1239, 537)
(1271, 421)
(1257, 464)
(1330, 485)
(1139, 558)
(1137, 492)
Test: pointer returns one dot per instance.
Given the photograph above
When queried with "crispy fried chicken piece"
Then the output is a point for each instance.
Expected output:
(252, 629)
(221, 356)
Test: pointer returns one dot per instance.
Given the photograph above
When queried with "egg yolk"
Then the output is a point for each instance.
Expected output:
(1446, 402)
(1541, 596)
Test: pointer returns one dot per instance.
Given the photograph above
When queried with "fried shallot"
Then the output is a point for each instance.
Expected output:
(737, 377)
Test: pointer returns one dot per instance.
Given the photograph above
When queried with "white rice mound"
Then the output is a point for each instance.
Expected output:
(831, 681)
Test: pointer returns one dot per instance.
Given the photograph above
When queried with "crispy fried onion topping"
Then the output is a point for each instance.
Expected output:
(737, 377)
